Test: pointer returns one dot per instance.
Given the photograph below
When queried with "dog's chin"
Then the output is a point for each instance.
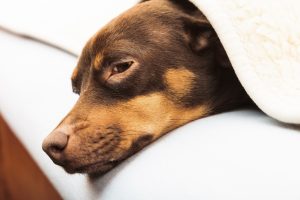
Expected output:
(97, 168)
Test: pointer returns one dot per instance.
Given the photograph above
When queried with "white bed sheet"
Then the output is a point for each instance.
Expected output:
(236, 155)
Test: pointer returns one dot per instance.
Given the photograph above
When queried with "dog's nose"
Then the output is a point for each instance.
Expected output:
(54, 145)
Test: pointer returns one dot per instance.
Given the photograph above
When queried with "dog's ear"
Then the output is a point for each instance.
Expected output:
(201, 36)
(221, 56)
(199, 33)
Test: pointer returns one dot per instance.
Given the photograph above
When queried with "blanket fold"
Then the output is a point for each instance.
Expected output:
(262, 40)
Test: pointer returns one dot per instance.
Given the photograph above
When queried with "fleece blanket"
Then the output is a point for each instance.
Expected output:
(261, 38)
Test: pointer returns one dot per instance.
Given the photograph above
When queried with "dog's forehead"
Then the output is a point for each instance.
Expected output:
(144, 27)
(141, 23)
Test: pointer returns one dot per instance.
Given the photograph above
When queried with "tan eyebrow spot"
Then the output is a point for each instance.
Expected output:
(97, 61)
(179, 81)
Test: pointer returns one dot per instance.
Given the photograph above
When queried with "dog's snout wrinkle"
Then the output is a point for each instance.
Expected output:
(80, 125)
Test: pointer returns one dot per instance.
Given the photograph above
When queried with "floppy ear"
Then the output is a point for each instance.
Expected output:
(200, 34)
(221, 56)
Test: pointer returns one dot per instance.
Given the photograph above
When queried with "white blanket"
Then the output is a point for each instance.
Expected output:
(262, 40)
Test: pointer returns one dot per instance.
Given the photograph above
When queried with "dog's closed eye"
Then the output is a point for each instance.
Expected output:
(121, 67)
(119, 71)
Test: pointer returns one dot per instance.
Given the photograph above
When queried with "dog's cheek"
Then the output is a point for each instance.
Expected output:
(179, 83)
(157, 114)
(147, 117)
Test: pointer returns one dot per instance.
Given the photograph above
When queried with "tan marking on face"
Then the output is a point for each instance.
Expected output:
(97, 61)
(156, 114)
(179, 81)
(153, 114)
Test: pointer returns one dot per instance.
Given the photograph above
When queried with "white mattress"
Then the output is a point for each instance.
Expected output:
(236, 155)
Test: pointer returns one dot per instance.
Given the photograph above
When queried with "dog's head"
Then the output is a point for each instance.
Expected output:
(154, 68)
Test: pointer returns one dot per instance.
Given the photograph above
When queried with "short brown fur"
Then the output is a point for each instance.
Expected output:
(154, 68)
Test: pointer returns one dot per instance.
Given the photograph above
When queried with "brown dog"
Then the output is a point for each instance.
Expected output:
(156, 67)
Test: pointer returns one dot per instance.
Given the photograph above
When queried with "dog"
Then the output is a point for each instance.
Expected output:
(152, 69)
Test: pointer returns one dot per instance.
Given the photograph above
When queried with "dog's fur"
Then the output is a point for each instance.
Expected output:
(154, 68)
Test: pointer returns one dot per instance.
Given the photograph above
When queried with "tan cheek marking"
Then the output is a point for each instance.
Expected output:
(157, 114)
(145, 113)
(179, 81)
(152, 114)
(185, 115)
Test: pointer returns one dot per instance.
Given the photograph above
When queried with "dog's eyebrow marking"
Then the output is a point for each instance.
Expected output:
(179, 81)
(97, 61)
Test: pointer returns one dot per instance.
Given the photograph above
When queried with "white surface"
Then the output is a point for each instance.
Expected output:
(262, 40)
(237, 155)
(67, 23)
